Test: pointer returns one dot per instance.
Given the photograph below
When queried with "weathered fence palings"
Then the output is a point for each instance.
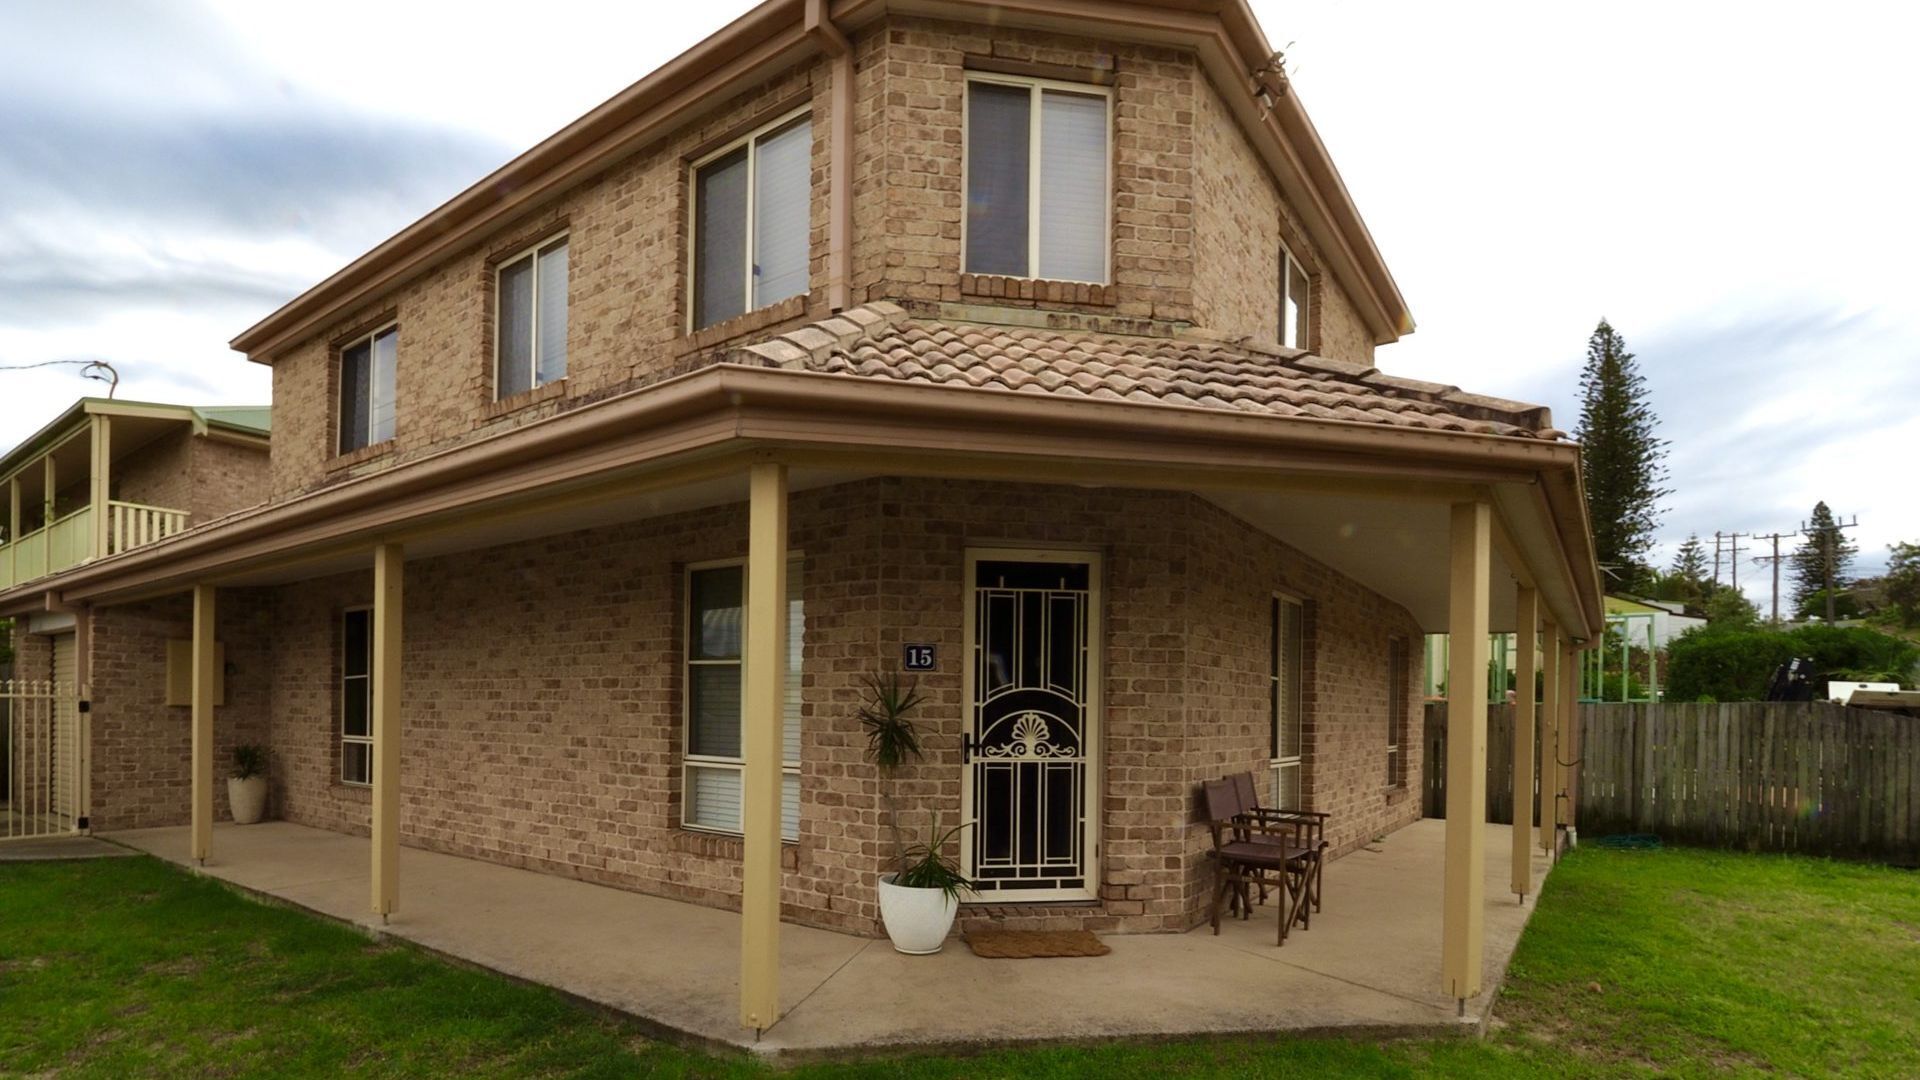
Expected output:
(1808, 777)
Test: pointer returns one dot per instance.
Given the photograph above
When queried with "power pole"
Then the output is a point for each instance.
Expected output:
(1733, 557)
(1716, 558)
(1774, 558)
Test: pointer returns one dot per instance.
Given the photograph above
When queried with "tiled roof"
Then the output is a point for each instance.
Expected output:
(1190, 368)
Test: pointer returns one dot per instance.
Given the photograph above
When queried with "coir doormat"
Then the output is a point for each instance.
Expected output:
(1029, 944)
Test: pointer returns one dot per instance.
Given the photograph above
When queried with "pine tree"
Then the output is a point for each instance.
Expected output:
(1625, 461)
(1821, 562)
(1690, 568)
(1903, 583)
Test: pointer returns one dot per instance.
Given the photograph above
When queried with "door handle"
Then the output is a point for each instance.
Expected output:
(967, 747)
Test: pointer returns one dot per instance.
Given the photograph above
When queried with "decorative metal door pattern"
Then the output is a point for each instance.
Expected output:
(1029, 729)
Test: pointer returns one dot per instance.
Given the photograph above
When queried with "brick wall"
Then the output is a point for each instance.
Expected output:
(142, 747)
(543, 701)
(1196, 227)
(206, 477)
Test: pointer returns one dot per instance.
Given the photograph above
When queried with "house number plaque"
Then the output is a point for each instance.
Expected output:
(919, 657)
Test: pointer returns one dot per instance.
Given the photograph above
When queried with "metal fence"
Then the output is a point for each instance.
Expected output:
(43, 747)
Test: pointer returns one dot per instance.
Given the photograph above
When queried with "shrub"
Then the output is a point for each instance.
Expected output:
(1736, 664)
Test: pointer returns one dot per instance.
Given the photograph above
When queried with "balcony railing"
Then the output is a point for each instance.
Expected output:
(131, 525)
(68, 541)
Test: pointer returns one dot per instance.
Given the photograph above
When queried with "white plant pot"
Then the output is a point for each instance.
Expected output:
(247, 798)
(917, 920)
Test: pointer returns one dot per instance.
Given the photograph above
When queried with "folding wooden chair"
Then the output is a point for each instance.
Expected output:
(1308, 832)
(1247, 853)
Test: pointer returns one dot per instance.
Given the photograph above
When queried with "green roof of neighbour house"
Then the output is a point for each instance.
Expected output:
(249, 420)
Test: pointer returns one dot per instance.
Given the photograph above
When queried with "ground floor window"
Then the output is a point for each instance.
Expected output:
(356, 696)
(1397, 675)
(1285, 701)
(715, 770)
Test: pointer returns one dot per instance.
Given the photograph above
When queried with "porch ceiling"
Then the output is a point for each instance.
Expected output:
(1395, 547)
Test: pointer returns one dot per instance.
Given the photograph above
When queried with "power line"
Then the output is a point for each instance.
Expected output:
(97, 370)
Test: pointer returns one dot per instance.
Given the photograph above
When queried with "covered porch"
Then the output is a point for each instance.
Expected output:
(1366, 967)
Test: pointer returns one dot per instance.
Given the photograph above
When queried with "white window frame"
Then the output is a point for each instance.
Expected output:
(749, 140)
(1278, 762)
(339, 429)
(687, 664)
(1036, 86)
(531, 251)
(341, 724)
(1288, 264)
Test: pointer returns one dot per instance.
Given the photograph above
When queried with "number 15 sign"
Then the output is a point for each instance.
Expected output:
(919, 657)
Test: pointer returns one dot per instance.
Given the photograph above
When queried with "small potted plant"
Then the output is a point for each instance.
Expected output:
(247, 787)
(919, 900)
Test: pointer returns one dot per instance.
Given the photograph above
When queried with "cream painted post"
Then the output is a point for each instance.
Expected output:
(13, 509)
(1569, 732)
(48, 475)
(389, 568)
(1526, 624)
(1466, 854)
(763, 703)
(101, 459)
(203, 686)
(1550, 654)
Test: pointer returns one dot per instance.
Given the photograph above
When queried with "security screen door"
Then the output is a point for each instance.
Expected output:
(1030, 747)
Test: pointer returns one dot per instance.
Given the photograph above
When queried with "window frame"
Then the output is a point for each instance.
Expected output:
(340, 774)
(531, 251)
(1037, 87)
(749, 140)
(340, 376)
(1304, 326)
(688, 759)
(1276, 761)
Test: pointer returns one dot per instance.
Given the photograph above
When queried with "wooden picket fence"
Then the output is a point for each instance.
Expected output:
(1808, 777)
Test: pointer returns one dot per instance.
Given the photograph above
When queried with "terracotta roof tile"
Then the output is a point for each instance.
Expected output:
(1190, 368)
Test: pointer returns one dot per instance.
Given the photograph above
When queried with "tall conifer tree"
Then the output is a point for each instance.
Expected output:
(1824, 555)
(1625, 460)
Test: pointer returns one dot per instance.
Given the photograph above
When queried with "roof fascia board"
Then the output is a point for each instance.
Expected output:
(706, 409)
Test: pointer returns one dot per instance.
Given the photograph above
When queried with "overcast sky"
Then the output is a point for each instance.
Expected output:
(1732, 185)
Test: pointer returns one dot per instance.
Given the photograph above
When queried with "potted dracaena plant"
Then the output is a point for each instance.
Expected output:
(919, 898)
(247, 787)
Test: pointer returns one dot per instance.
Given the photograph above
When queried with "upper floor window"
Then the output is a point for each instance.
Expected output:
(1038, 179)
(530, 328)
(1293, 302)
(751, 201)
(368, 370)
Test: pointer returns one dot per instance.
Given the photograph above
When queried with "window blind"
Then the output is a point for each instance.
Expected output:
(551, 345)
(782, 189)
(1073, 186)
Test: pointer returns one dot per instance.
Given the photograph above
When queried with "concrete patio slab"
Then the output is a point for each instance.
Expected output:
(1370, 963)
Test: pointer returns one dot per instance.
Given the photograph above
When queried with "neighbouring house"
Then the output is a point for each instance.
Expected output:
(1028, 346)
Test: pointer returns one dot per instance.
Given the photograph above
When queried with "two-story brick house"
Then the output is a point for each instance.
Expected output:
(1035, 339)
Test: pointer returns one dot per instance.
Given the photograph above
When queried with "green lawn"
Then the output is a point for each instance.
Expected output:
(1672, 962)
